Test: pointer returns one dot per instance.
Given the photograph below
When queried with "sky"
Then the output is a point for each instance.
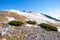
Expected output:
(49, 7)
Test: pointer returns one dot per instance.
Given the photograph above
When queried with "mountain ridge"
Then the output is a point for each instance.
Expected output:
(51, 17)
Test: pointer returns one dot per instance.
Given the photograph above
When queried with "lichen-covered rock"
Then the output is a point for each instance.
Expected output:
(29, 33)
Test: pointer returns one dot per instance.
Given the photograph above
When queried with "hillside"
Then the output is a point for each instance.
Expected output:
(9, 15)
(5, 15)
(26, 31)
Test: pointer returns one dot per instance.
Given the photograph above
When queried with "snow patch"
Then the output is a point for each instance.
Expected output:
(30, 25)
(58, 29)
(4, 39)
(10, 18)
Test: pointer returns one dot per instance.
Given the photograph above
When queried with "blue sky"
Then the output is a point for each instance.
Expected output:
(49, 7)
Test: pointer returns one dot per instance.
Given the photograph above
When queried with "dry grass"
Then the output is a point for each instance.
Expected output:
(2, 25)
(5, 14)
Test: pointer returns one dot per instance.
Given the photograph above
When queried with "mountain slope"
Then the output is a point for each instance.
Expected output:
(5, 15)
(32, 16)
(26, 31)
(9, 15)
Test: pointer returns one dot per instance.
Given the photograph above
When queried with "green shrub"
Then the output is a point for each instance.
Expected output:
(31, 22)
(48, 27)
(16, 23)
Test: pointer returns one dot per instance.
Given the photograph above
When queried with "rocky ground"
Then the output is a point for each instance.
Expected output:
(27, 33)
